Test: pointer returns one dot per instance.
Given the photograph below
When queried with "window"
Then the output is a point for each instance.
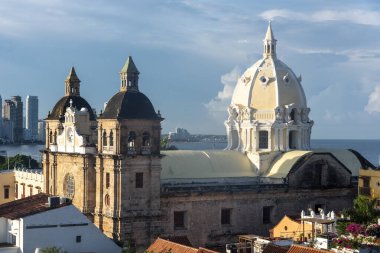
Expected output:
(263, 139)
(131, 139)
(266, 214)
(107, 200)
(78, 239)
(104, 138)
(6, 192)
(16, 191)
(23, 191)
(225, 217)
(179, 219)
(365, 182)
(139, 180)
(111, 139)
(107, 180)
(30, 190)
(146, 139)
(50, 137)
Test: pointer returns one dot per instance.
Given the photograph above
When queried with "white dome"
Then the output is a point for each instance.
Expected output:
(269, 84)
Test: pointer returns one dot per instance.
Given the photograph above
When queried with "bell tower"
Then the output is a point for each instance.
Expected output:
(72, 83)
(129, 76)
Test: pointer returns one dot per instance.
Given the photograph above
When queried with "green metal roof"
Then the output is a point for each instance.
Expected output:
(129, 67)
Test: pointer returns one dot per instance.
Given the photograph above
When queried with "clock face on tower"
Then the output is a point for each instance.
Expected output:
(70, 134)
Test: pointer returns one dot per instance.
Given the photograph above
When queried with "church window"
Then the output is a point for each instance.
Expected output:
(6, 192)
(51, 137)
(139, 180)
(104, 139)
(267, 214)
(179, 220)
(293, 139)
(69, 186)
(292, 114)
(111, 138)
(131, 139)
(107, 180)
(263, 139)
(55, 137)
(146, 139)
(225, 217)
(107, 200)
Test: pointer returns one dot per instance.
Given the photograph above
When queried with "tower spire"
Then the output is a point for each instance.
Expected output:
(72, 83)
(269, 43)
(129, 76)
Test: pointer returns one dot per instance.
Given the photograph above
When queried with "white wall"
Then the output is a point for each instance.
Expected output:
(92, 240)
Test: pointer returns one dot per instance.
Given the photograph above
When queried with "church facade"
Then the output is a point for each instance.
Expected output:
(112, 168)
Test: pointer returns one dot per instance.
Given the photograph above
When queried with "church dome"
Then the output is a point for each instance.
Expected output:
(60, 107)
(129, 105)
(269, 83)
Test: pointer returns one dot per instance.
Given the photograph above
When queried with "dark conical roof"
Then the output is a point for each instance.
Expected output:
(129, 105)
(60, 107)
(129, 67)
(72, 76)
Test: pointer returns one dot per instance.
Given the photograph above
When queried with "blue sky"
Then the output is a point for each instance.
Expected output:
(190, 54)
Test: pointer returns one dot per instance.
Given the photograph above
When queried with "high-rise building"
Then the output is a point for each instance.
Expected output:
(9, 115)
(17, 122)
(31, 117)
(1, 117)
(41, 131)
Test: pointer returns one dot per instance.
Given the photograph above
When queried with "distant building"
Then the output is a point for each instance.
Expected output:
(18, 130)
(180, 134)
(9, 116)
(41, 131)
(7, 131)
(32, 117)
(162, 245)
(1, 117)
(369, 184)
(42, 221)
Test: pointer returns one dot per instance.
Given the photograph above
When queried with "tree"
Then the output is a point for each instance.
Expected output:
(18, 161)
(165, 144)
(363, 211)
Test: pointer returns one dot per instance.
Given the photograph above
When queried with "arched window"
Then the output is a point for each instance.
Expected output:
(55, 137)
(263, 139)
(131, 139)
(104, 138)
(292, 114)
(111, 138)
(51, 137)
(146, 139)
(107, 200)
(293, 139)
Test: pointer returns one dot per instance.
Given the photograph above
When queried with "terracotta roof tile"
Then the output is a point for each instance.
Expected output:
(165, 246)
(272, 248)
(303, 249)
(179, 239)
(26, 206)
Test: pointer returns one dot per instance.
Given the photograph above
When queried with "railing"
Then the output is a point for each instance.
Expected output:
(366, 191)
(145, 150)
(131, 151)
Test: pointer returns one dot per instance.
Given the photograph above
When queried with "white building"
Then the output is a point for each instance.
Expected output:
(40, 221)
(31, 121)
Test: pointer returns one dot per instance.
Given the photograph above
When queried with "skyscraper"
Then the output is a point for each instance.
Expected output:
(9, 115)
(18, 129)
(1, 117)
(32, 117)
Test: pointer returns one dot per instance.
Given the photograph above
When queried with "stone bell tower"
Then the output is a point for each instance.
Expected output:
(128, 165)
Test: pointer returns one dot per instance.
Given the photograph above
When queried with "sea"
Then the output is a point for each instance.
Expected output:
(370, 149)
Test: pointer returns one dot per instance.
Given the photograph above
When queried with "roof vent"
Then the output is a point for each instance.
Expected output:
(54, 201)
(64, 200)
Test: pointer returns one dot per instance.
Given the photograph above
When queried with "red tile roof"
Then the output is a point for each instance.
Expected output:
(303, 249)
(272, 248)
(27, 206)
(165, 246)
(179, 239)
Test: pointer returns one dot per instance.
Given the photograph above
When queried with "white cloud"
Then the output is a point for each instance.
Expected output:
(219, 104)
(364, 17)
(373, 104)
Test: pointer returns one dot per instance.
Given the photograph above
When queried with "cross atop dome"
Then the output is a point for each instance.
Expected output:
(269, 43)
(72, 83)
(129, 76)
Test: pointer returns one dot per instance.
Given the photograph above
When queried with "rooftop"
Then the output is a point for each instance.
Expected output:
(27, 206)
(163, 246)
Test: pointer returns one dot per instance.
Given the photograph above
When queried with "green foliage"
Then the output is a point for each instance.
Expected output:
(341, 226)
(165, 144)
(363, 211)
(18, 161)
(52, 250)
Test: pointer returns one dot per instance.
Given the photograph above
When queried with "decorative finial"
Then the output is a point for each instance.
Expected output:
(159, 113)
(71, 103)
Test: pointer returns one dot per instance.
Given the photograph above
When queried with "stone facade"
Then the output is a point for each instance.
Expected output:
(111, 166)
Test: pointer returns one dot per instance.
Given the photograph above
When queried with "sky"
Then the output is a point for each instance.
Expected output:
(191, 53)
